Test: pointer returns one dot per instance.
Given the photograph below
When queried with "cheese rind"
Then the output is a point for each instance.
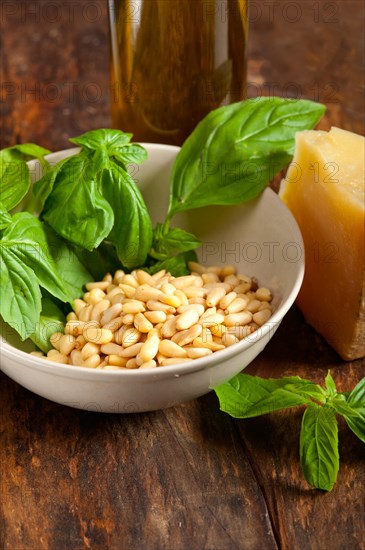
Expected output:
(325, 190)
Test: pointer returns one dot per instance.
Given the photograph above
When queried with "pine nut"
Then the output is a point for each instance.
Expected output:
(265, 305)
(210, 278)
(201, 343)
(185, 337)
(227, 299)
(155, 316)
(128, 290)
(263, 294)
(103, 285)
(146, 292)
(261, 317)
(133, 306)
(78, 305)
(228, 270)
(114, 292)
(132, 363)
(94, 296)
(76, 358)
(229, 339)
(118, 276)
(196, 353)
(144, 278)
(85, 313)
(254, 306)
(168, 288)
(111, 349)
(71, 316)
(195, 292)
(169, 328)
(89, 349)
(187, 319)
(214, 296)
(97, 335)
(111, 313)
(195, 266)
(242, 318)
(131, 351)
(196, 307)
(142, 323)
(169, 348)
(215, 319)
(128, 318)
(159, 275)
(74, 327)
(67, 344)
(55, 340)
(130, 280)
(184, 281)
(242, 288)
(170, 299)
(183, 298)
(99, 309)
(129, 337)
(151, 346)
(238, 304)
(218, 330)
(209, 311)
(57, 357)
(159, 306)
(149, 365)
(117, 360)
(92, 361)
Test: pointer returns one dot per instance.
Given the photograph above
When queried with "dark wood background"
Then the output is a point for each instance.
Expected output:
(190, 476)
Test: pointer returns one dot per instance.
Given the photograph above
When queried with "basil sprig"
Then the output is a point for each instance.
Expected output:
(246, 396)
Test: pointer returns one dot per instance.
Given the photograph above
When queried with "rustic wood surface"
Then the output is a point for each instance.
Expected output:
(188, 477)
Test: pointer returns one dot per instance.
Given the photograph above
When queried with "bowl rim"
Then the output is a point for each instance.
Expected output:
(72, 371)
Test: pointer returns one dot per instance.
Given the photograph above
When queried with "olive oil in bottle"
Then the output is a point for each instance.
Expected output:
(173, 61)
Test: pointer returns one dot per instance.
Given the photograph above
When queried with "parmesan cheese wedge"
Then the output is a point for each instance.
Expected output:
(325, 190)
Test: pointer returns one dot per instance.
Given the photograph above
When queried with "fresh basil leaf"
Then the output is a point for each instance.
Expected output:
(14, 178)
(319, 456)
(245, 396)
(100, 261)
(43, 187)
(357, 396)
(132, 231)
(236, 149)
(26, 238)
(31, 150)
(70, 269)
(352, 407)
(168, 242)
(51, 320)
(14, 172)
(20, 303)
(177, 265)
(103, 137)
(330, 385)
(75, 208)
(5, 217)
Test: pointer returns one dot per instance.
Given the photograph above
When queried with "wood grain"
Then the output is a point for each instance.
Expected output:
(189, 477)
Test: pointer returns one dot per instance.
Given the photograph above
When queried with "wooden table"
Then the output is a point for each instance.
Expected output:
(188, 477)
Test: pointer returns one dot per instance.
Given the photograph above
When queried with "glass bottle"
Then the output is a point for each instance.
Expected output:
(173, 61)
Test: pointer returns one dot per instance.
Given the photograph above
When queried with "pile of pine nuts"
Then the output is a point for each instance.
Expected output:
(138, 320)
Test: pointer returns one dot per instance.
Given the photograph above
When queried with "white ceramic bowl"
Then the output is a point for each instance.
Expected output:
(261, 238)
